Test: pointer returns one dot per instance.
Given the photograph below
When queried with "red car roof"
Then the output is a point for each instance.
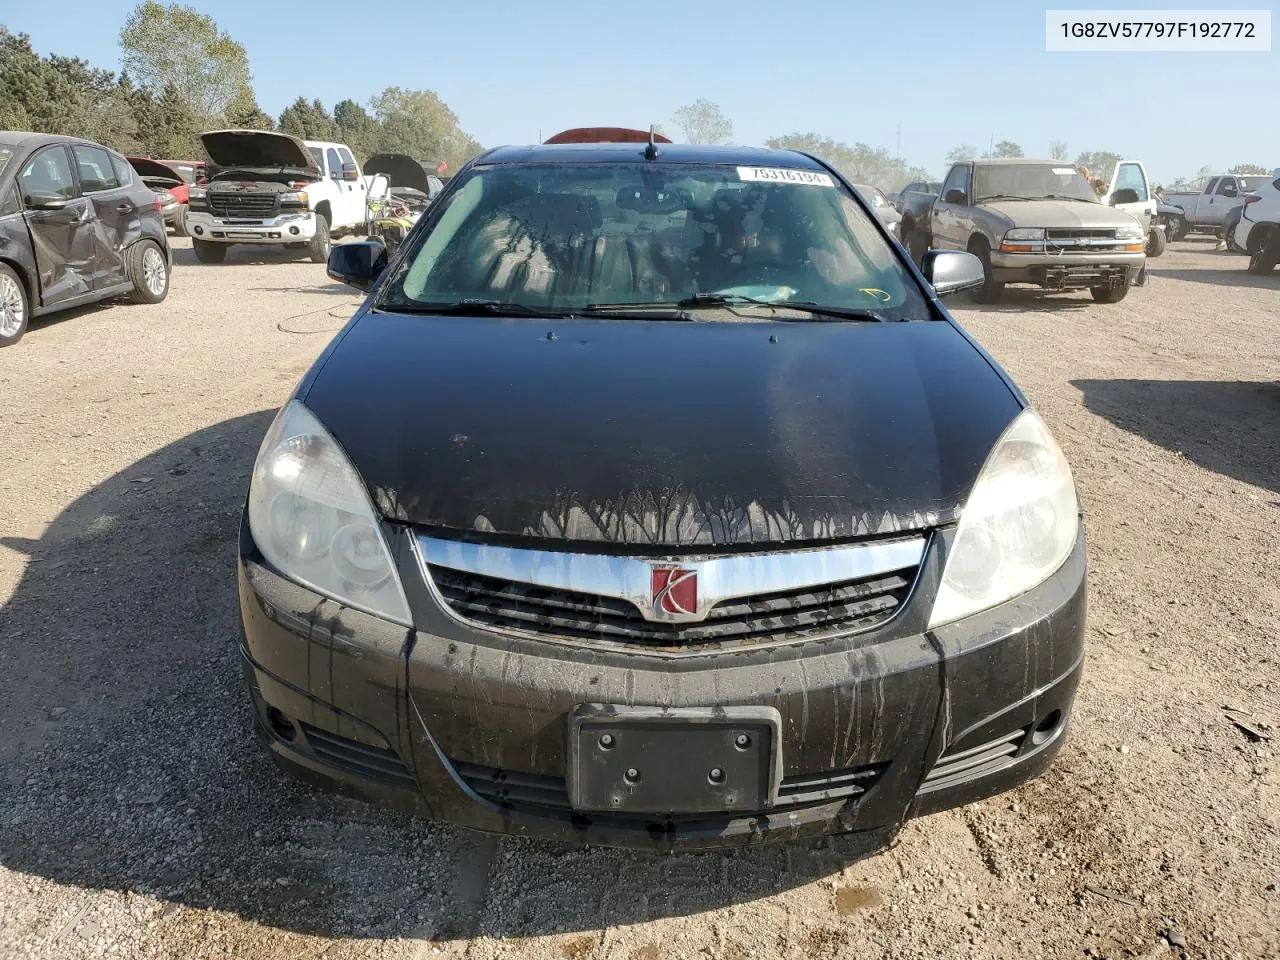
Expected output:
(605, 135)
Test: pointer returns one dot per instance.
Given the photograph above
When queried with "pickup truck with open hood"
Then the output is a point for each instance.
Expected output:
(271, 188)
(1034, 221)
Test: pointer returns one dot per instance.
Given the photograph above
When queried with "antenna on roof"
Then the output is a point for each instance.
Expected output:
(651, 151)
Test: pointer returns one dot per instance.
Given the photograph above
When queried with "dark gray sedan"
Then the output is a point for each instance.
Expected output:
(77, 225)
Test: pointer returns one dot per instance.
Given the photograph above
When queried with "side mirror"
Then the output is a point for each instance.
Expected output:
(1126, 195)
(957, 196)
(358, 265)
(950, 271)
(350, 171)
(44, 200)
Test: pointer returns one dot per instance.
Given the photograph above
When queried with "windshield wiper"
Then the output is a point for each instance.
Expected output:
(1063, 196)
(678, 308)
(475, 307)
(1000, 196)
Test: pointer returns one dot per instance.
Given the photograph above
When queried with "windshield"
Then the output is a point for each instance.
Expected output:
(565, 236)
(1250, 184)
(1030, 181)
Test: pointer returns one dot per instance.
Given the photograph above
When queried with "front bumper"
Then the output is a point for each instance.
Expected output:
(1067, 271)
(285, 228)
(461, 724)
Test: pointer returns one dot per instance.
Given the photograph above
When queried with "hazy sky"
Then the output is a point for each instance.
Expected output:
(948, 73)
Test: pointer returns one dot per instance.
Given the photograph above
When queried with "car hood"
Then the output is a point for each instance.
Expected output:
(146, 167)
(257, 148)
(1059, 213)
(661, 434)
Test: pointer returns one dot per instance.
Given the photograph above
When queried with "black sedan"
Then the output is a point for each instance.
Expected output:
(77, 225)
(652, 498)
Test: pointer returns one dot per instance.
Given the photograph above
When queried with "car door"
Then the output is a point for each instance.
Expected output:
(1226, 197)
(951, 210)
(360, 187)
(114, 212)
(1132, 175)
(61, 225)
(349, 206)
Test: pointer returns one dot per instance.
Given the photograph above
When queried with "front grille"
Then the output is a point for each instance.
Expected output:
(798, 614)
(1073, 233)
(975, 762)
(548, 796)
(249, 206)
(373, 763)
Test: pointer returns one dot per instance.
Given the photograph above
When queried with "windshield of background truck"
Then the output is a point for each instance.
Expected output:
(1250, 184)
(1030, 181)
(564, 236)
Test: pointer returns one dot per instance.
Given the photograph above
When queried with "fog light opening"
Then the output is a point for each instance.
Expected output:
(1046, 728)
(199, 231)
(294, 231)
(281, 725)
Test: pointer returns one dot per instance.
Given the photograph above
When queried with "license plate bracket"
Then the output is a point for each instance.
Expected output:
(684, 760)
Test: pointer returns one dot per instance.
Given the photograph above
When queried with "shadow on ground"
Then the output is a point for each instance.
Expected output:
(1230, 427)
(1022, 299)
(242, 253)
(1238, 276)
(127, 762)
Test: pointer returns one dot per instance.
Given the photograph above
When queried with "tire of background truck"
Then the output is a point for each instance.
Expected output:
(208, 251)
(990, 291)
(1179, 228)
(320, 244)
(1229, 231)
(14, 309)
(180, 221)
(148, 270)
(1156, 242)
(1110, 294)
(1268, 254)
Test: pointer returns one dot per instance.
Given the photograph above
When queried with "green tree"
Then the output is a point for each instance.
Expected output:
(179, 47)
(356, 128)
(1245, 169)
(420, 124)
(243, 113)
(1058, 150)
(308, 121)
(860, 163)
(167, 126)
(963, 152)
(704, 122)
(1101, 163)
(1006, 148)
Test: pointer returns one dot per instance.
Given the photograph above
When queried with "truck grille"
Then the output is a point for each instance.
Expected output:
(1071, 233)
(246, 206)
(792, 615)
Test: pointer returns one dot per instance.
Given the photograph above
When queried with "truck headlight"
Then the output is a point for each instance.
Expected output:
(297, 199)
(1018, 526)
(311, 517)
(197, 198)
(1129, 233)
(1025, 233)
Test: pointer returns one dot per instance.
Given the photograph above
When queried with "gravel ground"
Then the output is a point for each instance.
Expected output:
(138, 818)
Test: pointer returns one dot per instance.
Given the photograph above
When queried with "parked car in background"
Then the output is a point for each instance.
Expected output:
(77, 225)
(271, 188)
(400, 190)
(881, 205)
(170, 185)
(918, 188)
(574, 570)
(1206, 211)
(1032, 221)
(1258, 232)
(1130, 190)
(192, 171)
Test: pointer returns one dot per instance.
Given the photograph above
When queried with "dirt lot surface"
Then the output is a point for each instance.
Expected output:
(138, 818)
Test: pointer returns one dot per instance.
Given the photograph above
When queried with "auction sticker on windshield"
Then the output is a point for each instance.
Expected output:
(783, 175)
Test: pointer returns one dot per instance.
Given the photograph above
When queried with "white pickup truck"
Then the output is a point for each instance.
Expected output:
(271, 188)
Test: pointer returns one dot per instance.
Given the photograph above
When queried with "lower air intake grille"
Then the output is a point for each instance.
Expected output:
(975, 762)
(374, 763)
(799, 614)
(548, 796)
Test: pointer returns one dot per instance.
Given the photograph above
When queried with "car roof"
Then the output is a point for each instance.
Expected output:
(667, 153)
(1007, 161)
(25, 138)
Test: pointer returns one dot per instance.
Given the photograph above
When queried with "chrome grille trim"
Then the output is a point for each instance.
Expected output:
(630, 578)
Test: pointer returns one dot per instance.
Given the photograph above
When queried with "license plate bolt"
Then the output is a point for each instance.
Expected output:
(742, 741)
(632, 775)
(606, 741)
(716, 775)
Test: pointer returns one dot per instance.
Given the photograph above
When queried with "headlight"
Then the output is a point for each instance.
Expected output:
(295, 199)
(196, 193)
(312, 519)
(1129, 233)
(1025, 233)
(1017, 528)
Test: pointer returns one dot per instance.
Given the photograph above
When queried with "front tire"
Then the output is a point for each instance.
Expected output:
(14, 309)
(209, 252)
(1156, 242)
(148, 271)
(321, 243)
(1110, 294)
(1179, 228)
(991, 290)
(180, 221)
